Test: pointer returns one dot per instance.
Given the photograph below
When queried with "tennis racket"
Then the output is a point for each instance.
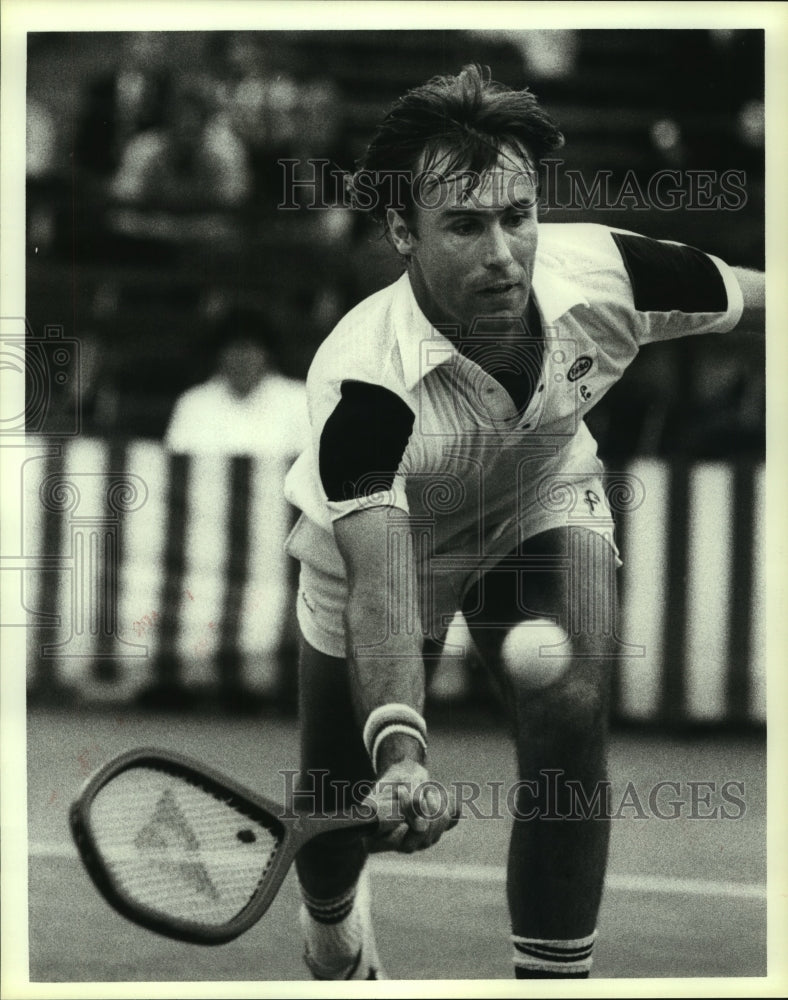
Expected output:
(185, 851)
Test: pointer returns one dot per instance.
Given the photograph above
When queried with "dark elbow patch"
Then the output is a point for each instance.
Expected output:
(668, 278)
(363, 441)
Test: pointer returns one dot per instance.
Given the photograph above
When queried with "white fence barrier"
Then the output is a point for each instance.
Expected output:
(144, 570)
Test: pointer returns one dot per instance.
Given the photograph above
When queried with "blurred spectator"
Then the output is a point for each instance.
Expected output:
(41, 169)
(319, 139)
(41, 139)
(192, 162)
(122, 103)
(246, 406)
(668, 141)
(751, 123)
(259, 100)
(546, 53)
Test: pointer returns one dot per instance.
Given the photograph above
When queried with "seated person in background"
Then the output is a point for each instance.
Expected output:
(192, 162)
(123, 102)
(41, 140)
(246, 407)
(260, 102)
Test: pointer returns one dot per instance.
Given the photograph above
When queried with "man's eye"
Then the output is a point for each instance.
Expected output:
(518, 218)
(463, 228)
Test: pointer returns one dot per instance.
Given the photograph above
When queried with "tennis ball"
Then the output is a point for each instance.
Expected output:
(536, 653)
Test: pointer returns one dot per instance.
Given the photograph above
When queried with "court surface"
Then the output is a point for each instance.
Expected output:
(685, 897)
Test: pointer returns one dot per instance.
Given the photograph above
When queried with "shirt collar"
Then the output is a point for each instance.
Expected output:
(423, 348)
(555, 293)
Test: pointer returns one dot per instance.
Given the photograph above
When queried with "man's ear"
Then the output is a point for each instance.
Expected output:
(401, 236)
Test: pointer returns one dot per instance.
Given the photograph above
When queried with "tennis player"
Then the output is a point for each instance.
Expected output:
(450, 468)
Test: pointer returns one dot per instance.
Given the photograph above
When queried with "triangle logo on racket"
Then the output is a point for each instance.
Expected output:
(168, 839)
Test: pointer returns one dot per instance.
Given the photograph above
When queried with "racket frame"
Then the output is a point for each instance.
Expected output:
(294, 829)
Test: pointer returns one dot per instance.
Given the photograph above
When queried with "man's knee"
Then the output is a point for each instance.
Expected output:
(575, 698)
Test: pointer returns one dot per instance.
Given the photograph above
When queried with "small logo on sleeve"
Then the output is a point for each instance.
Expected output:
(592, 500)
(579, 368)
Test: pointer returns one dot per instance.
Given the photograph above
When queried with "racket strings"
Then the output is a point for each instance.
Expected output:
(178, 848)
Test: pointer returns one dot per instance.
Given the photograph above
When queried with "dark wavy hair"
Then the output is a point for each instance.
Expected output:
(451, 124)
(238, 321)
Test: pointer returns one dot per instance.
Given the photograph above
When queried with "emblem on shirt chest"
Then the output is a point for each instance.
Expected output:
(579, 368)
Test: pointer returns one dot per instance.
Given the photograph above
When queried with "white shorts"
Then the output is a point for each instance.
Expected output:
(322, 588)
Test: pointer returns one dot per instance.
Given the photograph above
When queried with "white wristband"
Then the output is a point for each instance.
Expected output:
(394, 727)
(387, 719)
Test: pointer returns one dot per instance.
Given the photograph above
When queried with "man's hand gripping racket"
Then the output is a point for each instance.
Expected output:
(185, 851)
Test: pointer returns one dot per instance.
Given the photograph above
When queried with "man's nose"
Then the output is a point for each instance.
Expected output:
(497, 252)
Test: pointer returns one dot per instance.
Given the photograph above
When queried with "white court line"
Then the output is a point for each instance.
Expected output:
(408, 868)
(619, 883)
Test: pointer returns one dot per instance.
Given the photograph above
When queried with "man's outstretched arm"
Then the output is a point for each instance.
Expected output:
(753, 287)
(382, 622)
(385, 659)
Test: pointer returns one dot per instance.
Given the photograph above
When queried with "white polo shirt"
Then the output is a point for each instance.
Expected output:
(401, 418)
(210, 419)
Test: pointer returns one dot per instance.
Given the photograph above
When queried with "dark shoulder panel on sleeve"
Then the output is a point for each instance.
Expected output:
(363, 441)
(665, 277)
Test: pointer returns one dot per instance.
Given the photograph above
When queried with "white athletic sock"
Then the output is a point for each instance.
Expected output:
(332, 929)
(538, 958)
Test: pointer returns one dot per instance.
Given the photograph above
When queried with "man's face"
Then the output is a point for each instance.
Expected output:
(243, 364)
(472, 253)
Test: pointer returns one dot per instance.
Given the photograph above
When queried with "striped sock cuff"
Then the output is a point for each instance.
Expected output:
(329, 911)
(571, 957)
